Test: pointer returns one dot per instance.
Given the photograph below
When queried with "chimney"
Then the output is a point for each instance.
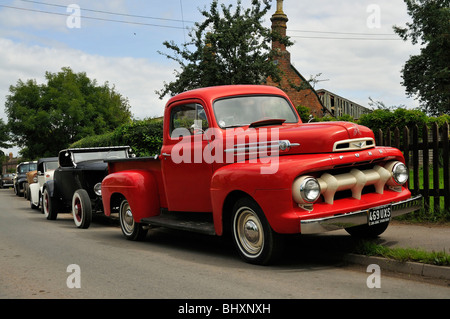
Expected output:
(279, 20)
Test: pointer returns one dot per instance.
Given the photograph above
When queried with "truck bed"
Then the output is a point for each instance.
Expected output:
(122, 164)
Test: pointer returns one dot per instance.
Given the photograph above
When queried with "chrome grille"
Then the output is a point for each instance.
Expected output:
(353, 144)
(355, 181)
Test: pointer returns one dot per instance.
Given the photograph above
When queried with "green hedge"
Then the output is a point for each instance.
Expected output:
(384, 118)
(143, 136)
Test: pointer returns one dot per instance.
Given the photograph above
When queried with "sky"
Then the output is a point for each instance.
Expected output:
(348, 45)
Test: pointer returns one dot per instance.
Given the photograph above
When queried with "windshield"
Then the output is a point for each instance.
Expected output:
(245, 110)
(25, 168)
(99, 155)
(51, 166)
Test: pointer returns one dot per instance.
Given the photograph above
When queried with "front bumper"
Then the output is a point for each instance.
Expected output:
(321, 225)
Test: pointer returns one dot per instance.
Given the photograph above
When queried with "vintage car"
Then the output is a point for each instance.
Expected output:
(75, 186)
(238, 160)
(8, 180)
(20, 180)
(45, 168)
(31, 179)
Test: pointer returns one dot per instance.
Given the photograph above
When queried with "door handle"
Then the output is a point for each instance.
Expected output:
(165, 154)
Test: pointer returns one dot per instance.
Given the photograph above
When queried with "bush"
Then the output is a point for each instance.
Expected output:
(143, 136)
(95, 141)
(304, 113)
(391, 118)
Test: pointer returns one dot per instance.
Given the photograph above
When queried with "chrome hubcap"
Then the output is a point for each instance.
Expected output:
(249, 231)
(127, 218)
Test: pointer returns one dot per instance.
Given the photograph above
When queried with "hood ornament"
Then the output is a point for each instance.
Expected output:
(360, 144)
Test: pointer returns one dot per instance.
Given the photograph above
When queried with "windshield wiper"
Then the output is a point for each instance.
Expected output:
(267, 122)
(235, 125)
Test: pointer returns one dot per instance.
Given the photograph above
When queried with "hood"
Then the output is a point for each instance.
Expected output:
(305, 138)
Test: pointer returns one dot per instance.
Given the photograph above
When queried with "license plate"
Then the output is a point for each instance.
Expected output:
(379, 215)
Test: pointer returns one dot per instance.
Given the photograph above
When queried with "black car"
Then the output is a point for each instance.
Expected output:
(76, 183)
(8, 180)
(21, 176)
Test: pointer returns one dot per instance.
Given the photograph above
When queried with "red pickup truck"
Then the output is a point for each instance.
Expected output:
(238, 160)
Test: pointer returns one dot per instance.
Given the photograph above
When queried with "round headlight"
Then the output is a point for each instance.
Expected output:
(305, 190)
(310, 189)
(400, 173)
(98, 189)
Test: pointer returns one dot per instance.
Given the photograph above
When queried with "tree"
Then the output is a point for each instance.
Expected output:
(43, 119)
(4, 135)
(230, 48)
(427, 75)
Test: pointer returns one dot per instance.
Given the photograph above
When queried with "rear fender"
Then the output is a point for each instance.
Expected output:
(138, 187)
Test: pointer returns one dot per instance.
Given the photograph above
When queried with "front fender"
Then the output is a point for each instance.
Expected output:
(269, 183)
(138, 187)
(246, 179)
(50, 186)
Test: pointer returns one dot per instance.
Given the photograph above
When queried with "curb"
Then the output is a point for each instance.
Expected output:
(411, 268)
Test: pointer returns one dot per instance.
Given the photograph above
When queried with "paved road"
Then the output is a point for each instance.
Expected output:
(36, 254)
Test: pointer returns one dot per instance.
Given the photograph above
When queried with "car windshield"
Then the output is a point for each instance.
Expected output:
(25, 168)
(51, 166)
(99, 155)
(245, 110)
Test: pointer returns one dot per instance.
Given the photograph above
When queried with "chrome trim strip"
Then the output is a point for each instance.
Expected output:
(321, 225)
(255, 147)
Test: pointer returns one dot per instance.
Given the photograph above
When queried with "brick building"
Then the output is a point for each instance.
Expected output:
(320, 102)
(9, 164)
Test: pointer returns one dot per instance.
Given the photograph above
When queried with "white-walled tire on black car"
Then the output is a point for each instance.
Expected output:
(49, 206)
(81, 208)
(130, 228)
(255, 240)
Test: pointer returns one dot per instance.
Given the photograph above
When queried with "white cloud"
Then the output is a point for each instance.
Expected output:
(134, 78)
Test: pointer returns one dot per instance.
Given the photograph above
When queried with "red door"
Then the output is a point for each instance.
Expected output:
(186, 175)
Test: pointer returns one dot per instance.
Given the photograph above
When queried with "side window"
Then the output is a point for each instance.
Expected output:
(188, 119)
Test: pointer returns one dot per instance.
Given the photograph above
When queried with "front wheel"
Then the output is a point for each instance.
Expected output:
(130, 228)
(49, 206)
(81, 209)
(255, 240)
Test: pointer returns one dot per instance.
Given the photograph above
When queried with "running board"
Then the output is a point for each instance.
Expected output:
(194, 222)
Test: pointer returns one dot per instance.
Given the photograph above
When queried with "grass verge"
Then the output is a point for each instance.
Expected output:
(440, 258)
